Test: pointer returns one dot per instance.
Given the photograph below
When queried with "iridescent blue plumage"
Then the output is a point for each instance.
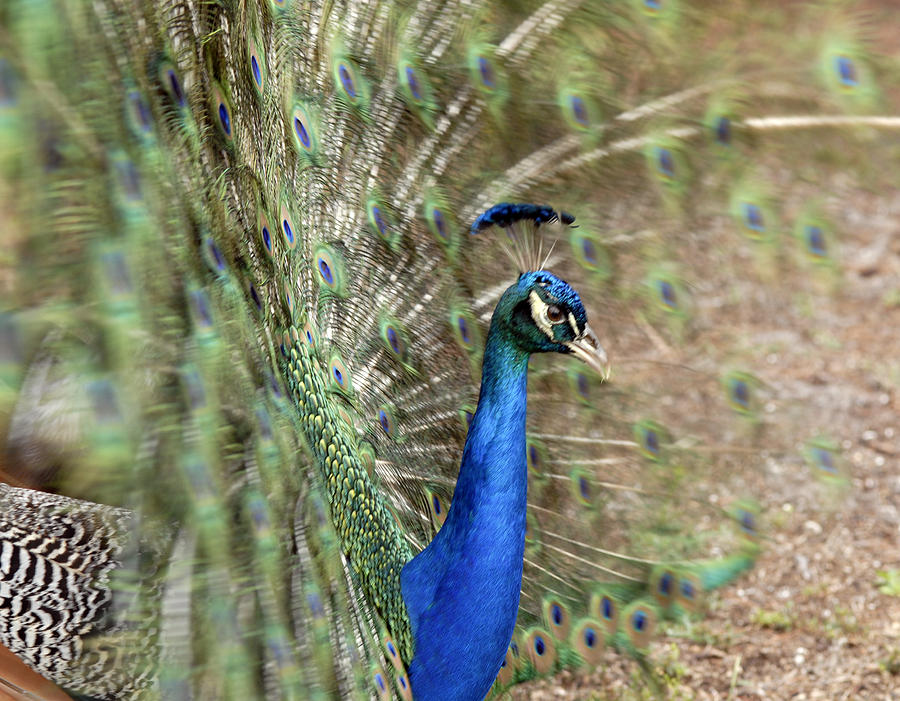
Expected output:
(462, 591)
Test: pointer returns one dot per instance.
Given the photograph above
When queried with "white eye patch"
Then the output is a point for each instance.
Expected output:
(539, 314)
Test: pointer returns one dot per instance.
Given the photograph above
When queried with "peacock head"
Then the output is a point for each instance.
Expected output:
(541, 313)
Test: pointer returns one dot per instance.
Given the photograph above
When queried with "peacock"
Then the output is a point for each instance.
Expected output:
(288, 294)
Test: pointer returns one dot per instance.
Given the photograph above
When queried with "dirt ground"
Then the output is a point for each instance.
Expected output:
(814, 619)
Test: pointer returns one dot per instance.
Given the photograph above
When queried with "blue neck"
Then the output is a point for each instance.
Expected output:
(462, 591)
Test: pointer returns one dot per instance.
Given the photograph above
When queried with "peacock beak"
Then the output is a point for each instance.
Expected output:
(587, 348)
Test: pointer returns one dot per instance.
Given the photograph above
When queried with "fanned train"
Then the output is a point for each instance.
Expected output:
(396, 350)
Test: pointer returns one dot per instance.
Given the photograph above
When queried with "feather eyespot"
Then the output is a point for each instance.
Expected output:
(665, 586)
(222, 108)
(257, 74)
(287, 228)
(815, 240)
(665, 162)
(753, 217)
(556, 616)
(325, 271)
(748, 523)
(381, 221)
(139, 109)
(576, 110)
(579, 111)
(330, 269)
(745, 515)
(302, 133)
(846, 71)
(382, 685)
(464, 329)
(214, 255)
(172, 84)
(580, 486)
(541, 650)
(412, 81)
(202, 312)
(254, 296)
(741, 389)
(723, 131)
(581, 382)
(265, 233)
(824, 459)
(605, 610)
(667, 294)
(689, 591)
(436, 505)
(588, 640)
(589, 251)
(387, 421)
(340, 376)
(639, 621)
(653, 440)
(378, 219)
(394, 339)
(288, 297)
(347, 80)
(486, 71)
(440, 223)
(302, 126)
(257, 65)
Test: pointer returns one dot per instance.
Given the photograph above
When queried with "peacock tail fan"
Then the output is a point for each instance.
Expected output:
(251, 251)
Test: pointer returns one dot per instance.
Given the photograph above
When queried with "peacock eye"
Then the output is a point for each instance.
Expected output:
(555, 314)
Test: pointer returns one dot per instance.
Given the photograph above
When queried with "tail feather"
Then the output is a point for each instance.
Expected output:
(242, 291)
